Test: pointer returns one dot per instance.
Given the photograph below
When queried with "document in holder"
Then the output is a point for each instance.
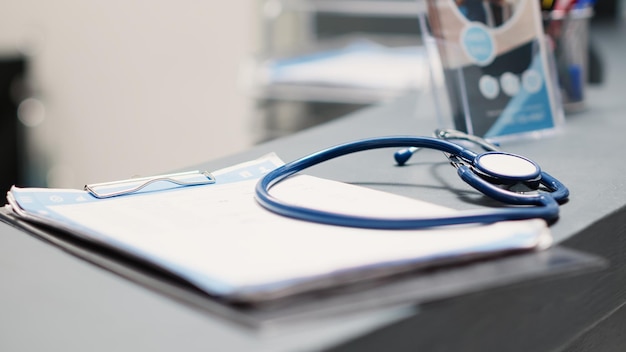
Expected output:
(216, 237)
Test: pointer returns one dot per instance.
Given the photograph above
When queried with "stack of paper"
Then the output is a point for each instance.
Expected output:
(362, 64)
(219, 239)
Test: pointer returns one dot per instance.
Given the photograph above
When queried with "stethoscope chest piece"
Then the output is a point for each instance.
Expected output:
(507, 168)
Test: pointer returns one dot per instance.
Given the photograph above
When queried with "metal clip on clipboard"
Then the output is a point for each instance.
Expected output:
(134, 185)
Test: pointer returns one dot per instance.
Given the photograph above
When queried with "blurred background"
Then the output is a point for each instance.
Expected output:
(92, 91)
(113, 89)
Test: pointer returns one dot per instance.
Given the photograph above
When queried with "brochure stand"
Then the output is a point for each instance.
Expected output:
(493, 76)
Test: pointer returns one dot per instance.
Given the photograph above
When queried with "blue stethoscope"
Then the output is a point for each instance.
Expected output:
(492, 172)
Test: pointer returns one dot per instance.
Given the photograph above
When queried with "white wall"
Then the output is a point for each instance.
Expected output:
(133, 87)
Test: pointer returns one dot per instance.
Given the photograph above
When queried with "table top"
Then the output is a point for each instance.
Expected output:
(53, 300)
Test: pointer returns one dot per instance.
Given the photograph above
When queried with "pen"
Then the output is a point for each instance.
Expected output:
(547, 5)
(564, 5)
(570, 74)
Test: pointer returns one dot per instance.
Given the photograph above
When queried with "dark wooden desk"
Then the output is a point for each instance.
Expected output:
(50, 300)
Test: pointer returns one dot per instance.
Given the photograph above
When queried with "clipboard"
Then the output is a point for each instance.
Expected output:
(368, 286)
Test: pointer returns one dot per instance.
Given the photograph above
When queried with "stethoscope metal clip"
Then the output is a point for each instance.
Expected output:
(494, 173)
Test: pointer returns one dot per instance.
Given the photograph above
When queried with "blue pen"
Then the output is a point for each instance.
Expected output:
(583, 4)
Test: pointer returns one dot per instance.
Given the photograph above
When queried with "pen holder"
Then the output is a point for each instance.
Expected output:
(493, 76)
(569, 38)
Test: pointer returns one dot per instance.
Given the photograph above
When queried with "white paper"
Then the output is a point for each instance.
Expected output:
(220, 239)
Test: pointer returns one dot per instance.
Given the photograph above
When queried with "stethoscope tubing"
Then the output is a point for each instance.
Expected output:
(545, 205)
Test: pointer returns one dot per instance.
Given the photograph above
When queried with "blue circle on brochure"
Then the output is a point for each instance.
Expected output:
(532, 81)
(488, 87)
(478, 44)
